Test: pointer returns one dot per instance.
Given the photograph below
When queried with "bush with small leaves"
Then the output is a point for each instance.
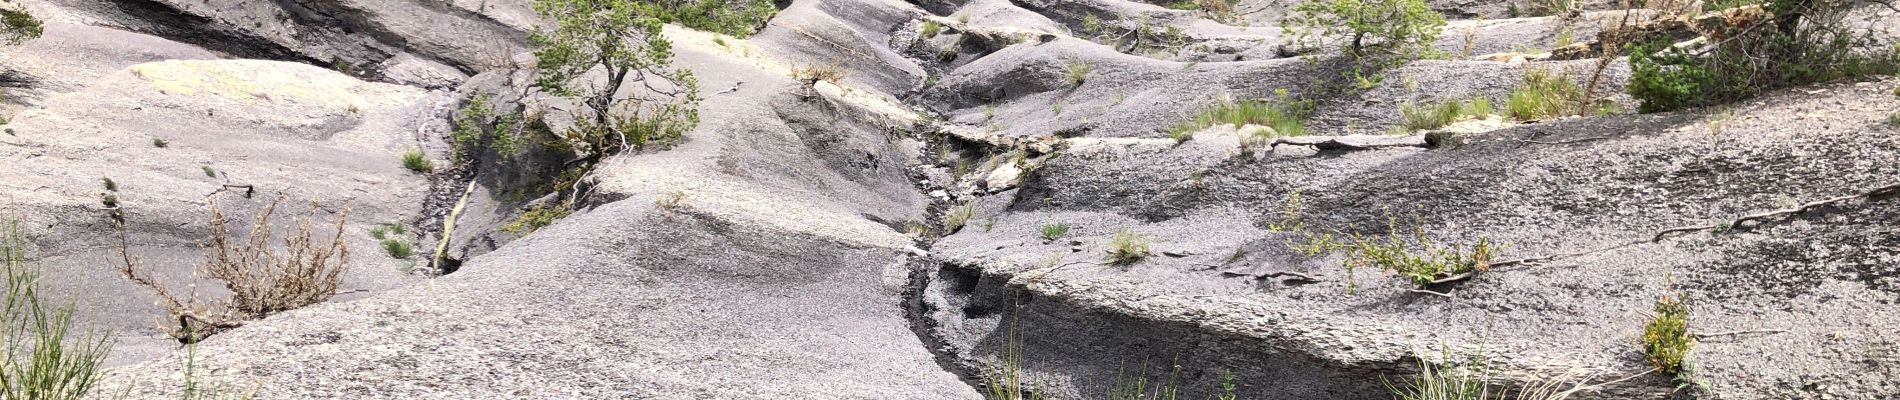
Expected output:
(1805, 41)
(16, 26)
(1666, 339)
(1376, 34)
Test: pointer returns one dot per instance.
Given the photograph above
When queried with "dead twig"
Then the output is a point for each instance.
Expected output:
(1781, 214)
(1563, 142)
(1734, 333)
(1430, 292)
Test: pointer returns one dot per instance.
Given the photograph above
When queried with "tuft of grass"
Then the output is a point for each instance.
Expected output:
(46, 356)
(208, 171)
(1893, 120)
(535, 218)
(414, 160)
(1077, 71)
(160, 143)
(1127, 247)
(1666, 339)
(110, 185)
(398, 248)
(957, 217)
(1054, 230)
(1287, 117)
(1543, 95)
(1471, 381)
(930, 29)
(1007, 380)
(1418, 118)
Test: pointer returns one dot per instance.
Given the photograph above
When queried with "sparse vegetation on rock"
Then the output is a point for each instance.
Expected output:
(263, 278)
(609, 57)
(1127, 247)
(1423, 117)
(740, 18)
(47, 356)
(1795, 42)
(1285, 115)
(1053, 230)
(414, 160)
(1666, 341)
(1376, 34)
(17, 26)
(1542, 95)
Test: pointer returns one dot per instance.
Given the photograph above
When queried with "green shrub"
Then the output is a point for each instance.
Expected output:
(535, 218)
(46, 356)
(160, 143)
(1127, 247)
(1436, 116)
(478, 129)
(1543, 95)
(740, 18)
(414, 160)
(1807, 42)
(1285, 115)
(398, 248)
(16, 26)
(208, 171)
(1893, 120)
(1666, 339)
(595, 43)
(1376, 34)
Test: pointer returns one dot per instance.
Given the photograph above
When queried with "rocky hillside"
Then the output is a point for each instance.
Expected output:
(970, 199)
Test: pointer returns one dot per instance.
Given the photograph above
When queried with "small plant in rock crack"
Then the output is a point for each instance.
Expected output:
(1666, 340)
(535, 218)
(160, 143)
(1077, 71)
(1054, 230)
(1127, 247)
(1416, 259)
(957, 217)
(414, 160)
(930, 29)
(208, 171)
(670, 202)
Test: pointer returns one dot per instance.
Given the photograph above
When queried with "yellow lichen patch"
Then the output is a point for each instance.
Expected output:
(253, 81)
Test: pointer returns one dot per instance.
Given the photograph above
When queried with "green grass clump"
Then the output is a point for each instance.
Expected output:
(535, 218)
(1127, 247)
(1543, 95)
(930, 29)
(1416, 258)
(398, 248)
(1054, 230)
(1666, 339)
(1418, 118)
(208, 171)
(46, 357)
(160, 143)
(1472, 381)
(1893, 120)
(414, 160)
(1077, 71)
(957, 217)
(1285, 115)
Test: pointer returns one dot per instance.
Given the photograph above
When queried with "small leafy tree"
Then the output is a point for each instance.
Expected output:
(16, 26)
(1376, 34)
(609, 57)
